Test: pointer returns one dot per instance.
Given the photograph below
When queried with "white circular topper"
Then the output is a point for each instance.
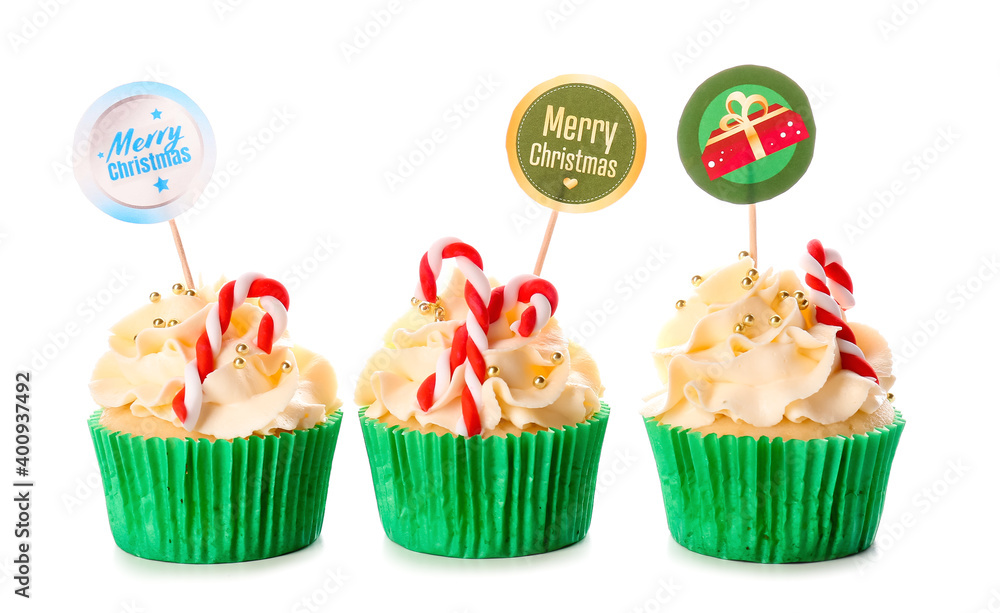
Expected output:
(145, 152)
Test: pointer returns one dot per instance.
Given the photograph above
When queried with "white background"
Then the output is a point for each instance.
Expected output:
(881, 98)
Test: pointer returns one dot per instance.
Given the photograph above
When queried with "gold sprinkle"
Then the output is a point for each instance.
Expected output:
(177, 289)
(680, 304)
(190, 292)
(696, 280)
(748, 319)
(159, 323)
(492, 371)
(414, 301)
(539, 381)
(783, 294)
(558, 357)
(239, 363)
(439, 313)
(746, 283)
(738, 328)
(743, 254)
(172, 323)
(890, 397)
(286, 366)
(803, 304)
(799, 295)
(425, 308)
(753, 274)
(242, 349)
(775, 321)
(154, 297)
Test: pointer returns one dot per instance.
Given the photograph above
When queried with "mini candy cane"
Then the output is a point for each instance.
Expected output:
(833, 294)
(471, 338)
(273, 299)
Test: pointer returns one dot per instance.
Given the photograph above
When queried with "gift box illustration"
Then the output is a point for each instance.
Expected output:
(744, 137)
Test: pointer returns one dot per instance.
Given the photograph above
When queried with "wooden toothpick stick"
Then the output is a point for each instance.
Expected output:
(181, 254)
(753, 232)
(545, 243)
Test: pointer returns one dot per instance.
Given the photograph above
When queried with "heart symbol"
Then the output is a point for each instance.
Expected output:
(570, 183)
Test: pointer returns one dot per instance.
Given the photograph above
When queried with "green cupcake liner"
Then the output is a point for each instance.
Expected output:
(773, 501)
(201, 502)
(503, 496)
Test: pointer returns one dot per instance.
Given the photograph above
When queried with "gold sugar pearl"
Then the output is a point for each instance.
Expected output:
(803, 304)
(743, 254)
(154, 297)
(696, 280)
(159, 323)
(539, 381)
(242, 349)
(172, 323)
(425, 308)
(748, 319)
(738, 328)
(492, 371)
(239, 363)
(890, 397)
(439, 313)
(190, 292)
(783, 294)
(680, 304)
(558, 357)
(177, 289)
(746, 283)
(753, 274)
(799, 295)
(286, 367)
(775, 321)
(414, 301)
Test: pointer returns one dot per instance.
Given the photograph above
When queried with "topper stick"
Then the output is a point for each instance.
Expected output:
(545, 242)
(181, 254)
(753, 231)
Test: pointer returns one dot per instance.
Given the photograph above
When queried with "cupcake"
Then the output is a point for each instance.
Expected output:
(483, 423)
(774, 432)
(216, 433)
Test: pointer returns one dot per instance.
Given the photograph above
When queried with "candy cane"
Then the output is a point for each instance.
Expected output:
(471, 338)
(273, 299)
(833, 294)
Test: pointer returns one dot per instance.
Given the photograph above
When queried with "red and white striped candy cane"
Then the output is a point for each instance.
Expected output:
(471, 338)
(833, 294)
(273, 299)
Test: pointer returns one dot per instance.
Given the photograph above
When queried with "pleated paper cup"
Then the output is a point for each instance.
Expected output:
(201, 502)
(498, 497)
(773, 500)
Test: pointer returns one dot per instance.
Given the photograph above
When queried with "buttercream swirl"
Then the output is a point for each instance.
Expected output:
(768, 375)
(137, 379)
(511, 401)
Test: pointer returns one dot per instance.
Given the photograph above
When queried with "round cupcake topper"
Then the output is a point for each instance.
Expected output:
(146, 152)
(576, 143)
(747, 134)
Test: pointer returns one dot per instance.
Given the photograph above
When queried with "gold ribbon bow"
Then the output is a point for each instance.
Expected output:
(742, 121)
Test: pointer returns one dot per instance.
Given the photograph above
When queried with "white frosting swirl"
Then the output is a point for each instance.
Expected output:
(511, 402)
(144, 370)
(766, 375)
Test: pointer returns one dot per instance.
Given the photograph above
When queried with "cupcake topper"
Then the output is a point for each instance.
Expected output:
(470, 340)
(145, 152)
(575, 144)
(274, 301)
(747, 135)
(832, 293)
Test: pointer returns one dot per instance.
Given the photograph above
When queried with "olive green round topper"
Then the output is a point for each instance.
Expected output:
(747, 134)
